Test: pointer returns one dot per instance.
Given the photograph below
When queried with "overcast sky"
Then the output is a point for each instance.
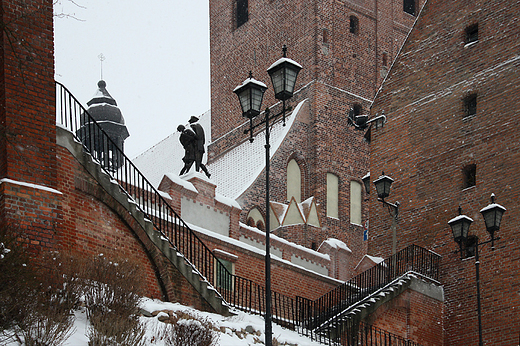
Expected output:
(156, 60)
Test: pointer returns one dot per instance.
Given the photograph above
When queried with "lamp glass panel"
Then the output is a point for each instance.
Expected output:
(256, 99)
(493, 218)
(277, 80)
(243, 96)
(291, 75)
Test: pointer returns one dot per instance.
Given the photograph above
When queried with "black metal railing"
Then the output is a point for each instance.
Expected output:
(237, 291)
(298, 313)
(317, 315)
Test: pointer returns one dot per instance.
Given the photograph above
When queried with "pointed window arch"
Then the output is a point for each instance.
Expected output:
(294, 181)
(255, 219)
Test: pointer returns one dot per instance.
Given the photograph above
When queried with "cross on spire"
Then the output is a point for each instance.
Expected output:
(101, 58)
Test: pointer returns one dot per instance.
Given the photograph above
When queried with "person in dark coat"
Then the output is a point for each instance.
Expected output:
(199, 153)
(188, 139)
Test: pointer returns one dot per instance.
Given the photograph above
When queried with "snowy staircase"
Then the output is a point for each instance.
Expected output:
(66, 139)
(362, 308)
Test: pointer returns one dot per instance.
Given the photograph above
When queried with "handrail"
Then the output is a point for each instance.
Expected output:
(104, 150)
(244, 294)
(319, 312)
(236, 291)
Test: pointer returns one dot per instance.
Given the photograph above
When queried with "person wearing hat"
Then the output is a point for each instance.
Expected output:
(199, 152)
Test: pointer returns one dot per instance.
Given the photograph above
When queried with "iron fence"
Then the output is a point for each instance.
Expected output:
(298, 313)
(317, 315)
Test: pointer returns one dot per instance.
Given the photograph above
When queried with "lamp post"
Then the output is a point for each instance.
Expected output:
(383, 184)
(250, 93)
(460, 226)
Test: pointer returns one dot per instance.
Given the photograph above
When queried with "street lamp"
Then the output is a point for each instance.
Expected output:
(460, 226)
(383, 184)
(250, 94)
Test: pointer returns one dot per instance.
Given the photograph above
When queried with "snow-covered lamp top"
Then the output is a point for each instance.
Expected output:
(492, 214)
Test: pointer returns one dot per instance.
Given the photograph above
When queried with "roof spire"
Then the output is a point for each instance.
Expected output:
(101, 58)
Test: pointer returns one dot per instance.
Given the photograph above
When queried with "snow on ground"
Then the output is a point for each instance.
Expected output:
(232, 328)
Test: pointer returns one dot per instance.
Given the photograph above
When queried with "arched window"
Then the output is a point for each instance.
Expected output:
(355, 203)
(294, 181)
(255, 219)
(354, 25)
(332, 196)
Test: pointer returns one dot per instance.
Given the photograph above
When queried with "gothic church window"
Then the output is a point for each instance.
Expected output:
(294, 181)
(409, 6)
(255, 219)
(355, 202)
(354, 25)
(241, 12)
(332, 196)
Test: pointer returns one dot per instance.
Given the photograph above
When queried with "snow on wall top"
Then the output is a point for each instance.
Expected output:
(235, 171)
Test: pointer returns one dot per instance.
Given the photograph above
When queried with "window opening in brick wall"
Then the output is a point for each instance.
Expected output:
(355, 202)
(224, 279)
(255, 219)
(354, 25)
(242, 12)
(409, 6)
(470, 175)
(294, 181)
(325, 36)
(470, 105)
(471, 34)
(332, 196)
(385, 59)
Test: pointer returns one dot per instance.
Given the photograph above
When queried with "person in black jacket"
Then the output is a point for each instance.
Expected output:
(200, 140)
(188, 139)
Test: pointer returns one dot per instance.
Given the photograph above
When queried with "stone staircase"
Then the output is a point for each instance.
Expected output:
(67, 140)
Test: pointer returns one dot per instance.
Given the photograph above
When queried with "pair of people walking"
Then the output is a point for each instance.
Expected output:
(193, 141)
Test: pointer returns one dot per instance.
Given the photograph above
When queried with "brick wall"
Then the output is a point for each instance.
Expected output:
(428, 141)
(27, 121)
(340, 69)
(413, 316)
(94, 222)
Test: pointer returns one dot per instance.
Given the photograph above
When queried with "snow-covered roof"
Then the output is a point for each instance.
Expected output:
(235, 171)
(232, 172)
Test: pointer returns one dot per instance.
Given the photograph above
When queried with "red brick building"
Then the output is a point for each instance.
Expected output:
(437, 145)
(451, 140)
(345, 48)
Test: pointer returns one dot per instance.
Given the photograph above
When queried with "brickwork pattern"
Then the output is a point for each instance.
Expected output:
(413, 316)
(340, 69)
(27, 120)
(27, 97)
(428, 141)
(93, 223)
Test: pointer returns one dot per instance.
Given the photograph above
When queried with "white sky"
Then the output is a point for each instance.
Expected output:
(157, 60)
